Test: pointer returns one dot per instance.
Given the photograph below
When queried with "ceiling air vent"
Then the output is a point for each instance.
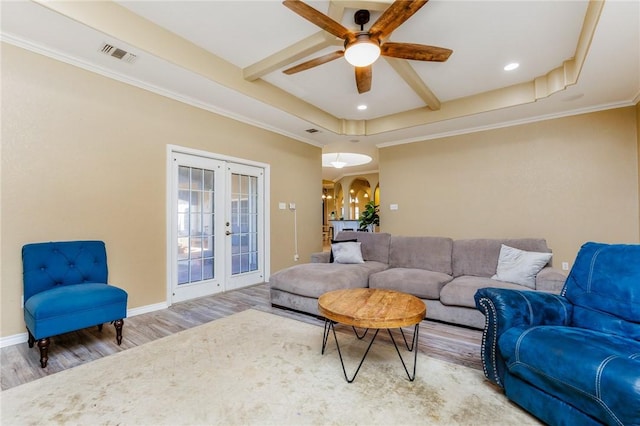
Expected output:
(312, 130)
(122, 55)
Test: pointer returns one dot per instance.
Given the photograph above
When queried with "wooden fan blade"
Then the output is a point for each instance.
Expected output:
(393, 17)
(417, 52)
(318, 18)
(315, 62)
(363, 78)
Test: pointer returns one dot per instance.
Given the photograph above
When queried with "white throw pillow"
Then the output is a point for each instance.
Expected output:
(348, 252)
(519, 266)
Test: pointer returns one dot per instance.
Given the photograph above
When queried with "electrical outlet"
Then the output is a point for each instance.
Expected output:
(565, 266)
(296, 257)
(282, 206)
(292, 206)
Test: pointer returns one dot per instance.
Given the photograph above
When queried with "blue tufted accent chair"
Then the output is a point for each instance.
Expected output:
(573, 358)
(65, 289)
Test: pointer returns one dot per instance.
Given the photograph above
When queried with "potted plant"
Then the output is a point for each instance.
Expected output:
(369, 216)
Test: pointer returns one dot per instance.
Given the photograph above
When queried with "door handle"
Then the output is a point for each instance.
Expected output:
(228, 233)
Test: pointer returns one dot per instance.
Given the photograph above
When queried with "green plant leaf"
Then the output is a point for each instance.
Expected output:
(369, 216)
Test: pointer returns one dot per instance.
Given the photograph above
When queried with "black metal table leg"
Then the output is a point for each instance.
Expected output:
(344, 370)
(413, 348)
(329, 327)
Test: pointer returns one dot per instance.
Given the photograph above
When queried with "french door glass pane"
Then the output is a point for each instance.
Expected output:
(244, 223)
(195, 225)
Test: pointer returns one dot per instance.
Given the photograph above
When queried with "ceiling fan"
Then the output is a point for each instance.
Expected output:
(362, 48)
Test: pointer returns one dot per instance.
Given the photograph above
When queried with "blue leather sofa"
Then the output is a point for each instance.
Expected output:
(573, 358)
(65, 289)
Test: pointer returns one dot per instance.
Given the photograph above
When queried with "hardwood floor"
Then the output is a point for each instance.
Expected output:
(20, 364)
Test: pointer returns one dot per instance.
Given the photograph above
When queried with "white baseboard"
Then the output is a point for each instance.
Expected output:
(146, 309)
(22, 337)
(13, 340)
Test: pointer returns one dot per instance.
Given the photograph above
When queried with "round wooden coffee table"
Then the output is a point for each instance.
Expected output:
(371, 308)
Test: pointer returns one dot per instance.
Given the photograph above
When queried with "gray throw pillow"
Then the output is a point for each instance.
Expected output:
(331, 259)
(349, 252)
(519, 266)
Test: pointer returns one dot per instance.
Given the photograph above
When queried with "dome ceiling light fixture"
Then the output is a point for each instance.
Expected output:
(338, 164)
(361, 50)
(339, 160)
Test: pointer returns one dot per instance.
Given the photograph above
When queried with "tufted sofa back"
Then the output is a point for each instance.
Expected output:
(604, 287)
(48, 265)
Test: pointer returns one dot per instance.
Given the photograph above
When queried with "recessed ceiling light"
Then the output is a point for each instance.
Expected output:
(512, 66)
(362, 107)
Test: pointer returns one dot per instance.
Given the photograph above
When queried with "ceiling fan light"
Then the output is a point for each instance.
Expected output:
(338, 164)
(363, 52)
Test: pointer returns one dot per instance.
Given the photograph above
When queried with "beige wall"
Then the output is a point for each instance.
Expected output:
(84, 157)
(568, 180)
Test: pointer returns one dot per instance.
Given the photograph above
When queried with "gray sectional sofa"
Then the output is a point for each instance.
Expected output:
(443, 272)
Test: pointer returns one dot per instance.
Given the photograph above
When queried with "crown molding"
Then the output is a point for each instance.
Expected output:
(512, 123)
(87, 66)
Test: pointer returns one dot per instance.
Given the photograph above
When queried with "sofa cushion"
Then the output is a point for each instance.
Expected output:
(71, 307)
(315, 279)
(418, 282)
(479, 257)
(428, 253)
(603, 285)
(375, 245)
(461, 290)
(595, 372)
(520, 266)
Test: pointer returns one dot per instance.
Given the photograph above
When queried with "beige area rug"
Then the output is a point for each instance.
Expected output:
(258, 368)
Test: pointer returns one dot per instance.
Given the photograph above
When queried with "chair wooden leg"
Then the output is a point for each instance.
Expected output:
(118, 325)
(31, 339)
(43, 344)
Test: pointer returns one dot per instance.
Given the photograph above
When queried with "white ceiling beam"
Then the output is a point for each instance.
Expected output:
(288, 55)
(311, 44)
(411, 77)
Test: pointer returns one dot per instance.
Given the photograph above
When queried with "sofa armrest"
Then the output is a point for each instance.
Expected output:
(320, 257)
(505, 309)
(550, 279)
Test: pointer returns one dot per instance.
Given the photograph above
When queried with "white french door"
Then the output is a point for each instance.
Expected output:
(244, 226)
(216, 226)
